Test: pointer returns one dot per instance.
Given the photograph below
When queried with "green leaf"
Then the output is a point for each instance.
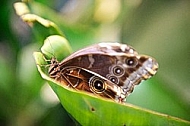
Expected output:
(94, 111)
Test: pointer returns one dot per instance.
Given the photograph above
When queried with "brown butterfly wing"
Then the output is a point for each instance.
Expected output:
(118, 63)
(85, 80)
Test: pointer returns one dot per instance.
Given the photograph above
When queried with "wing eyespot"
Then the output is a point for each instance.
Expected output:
(132, 61)
(97, 84)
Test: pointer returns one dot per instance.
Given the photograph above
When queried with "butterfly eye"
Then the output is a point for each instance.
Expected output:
(97, 84)
(131, 61)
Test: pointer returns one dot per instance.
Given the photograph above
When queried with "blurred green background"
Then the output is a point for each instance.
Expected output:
(160, 29)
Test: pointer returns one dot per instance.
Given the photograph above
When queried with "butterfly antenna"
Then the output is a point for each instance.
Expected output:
(53, 55)
(50, 52)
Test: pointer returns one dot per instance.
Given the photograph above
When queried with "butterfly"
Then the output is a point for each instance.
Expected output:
(109, 70)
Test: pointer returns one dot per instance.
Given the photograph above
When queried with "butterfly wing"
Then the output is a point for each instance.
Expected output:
(85, 80)
(103, 48)
(119, 63)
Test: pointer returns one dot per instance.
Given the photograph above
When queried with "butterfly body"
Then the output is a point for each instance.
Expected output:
(109, 70)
